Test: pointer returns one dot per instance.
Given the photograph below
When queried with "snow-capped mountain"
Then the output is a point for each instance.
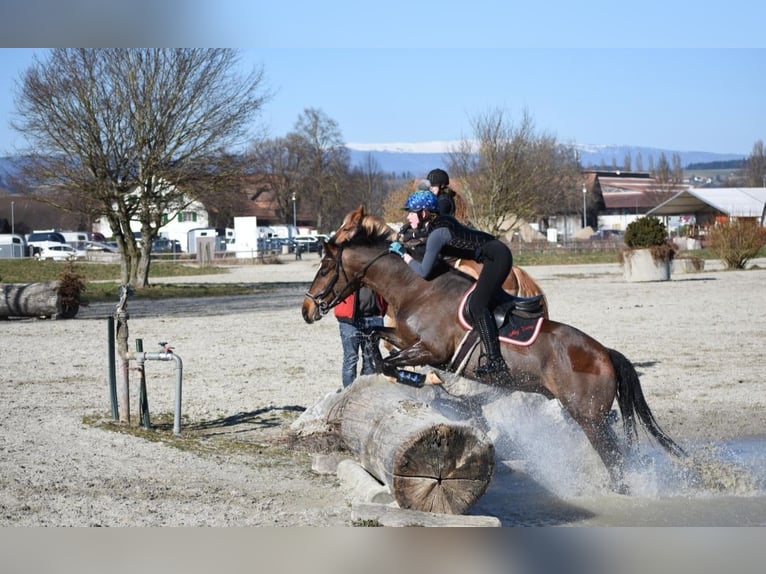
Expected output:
(418, 158)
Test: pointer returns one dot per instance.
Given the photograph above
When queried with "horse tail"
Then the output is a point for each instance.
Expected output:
(630, 399)
(528, 287)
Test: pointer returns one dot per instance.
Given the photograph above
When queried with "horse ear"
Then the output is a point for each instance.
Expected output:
(356, 215)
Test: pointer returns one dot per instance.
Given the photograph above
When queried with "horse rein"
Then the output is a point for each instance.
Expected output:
(317, 299)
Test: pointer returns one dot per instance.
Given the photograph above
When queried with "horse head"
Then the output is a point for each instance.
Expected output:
(341, 271)
(322, 293)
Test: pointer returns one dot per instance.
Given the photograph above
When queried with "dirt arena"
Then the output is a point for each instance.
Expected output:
(251, 366)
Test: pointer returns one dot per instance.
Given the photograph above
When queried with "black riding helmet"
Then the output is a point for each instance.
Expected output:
(438, 178)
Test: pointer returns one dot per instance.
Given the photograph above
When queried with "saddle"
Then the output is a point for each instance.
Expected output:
(518, 320)
(505, 309)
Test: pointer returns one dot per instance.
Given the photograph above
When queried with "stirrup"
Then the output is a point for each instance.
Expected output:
(494, 370)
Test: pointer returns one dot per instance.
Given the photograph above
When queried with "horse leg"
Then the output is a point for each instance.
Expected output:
(391, 336)
(411, 356)
(605, 443)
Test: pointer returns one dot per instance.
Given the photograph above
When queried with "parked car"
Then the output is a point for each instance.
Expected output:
(99, 246)
(163, 245)
(55, 251)
(608, 235)
(38, 238)
(306, 243)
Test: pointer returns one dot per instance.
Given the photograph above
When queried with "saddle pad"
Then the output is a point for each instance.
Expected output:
(515, 330)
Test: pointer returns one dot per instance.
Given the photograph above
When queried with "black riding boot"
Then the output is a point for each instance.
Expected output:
(494, 370)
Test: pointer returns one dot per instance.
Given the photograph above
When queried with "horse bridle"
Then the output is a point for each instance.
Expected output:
(349, 288)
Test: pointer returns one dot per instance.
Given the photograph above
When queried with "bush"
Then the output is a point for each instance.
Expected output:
(71, 286)
(650, 233)
(645, 232)
(737, 241)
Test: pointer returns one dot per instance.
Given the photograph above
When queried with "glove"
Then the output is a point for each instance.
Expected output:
(397, 248)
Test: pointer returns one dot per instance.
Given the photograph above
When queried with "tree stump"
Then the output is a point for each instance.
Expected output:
(33, 300)
(432, 456)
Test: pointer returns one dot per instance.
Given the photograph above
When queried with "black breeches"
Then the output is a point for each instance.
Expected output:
(497, 262)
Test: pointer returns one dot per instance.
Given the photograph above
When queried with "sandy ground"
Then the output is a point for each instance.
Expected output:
(251, 366)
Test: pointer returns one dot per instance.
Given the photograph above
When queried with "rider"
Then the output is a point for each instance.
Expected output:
(413, 238)
(449, 237)
(439, 180)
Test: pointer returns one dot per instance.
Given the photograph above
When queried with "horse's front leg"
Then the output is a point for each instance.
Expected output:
(412, 356)
(391, 335)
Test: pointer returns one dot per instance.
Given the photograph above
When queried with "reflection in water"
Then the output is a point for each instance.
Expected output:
(548, 474)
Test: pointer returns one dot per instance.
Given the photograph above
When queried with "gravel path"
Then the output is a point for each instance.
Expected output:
(251, 366)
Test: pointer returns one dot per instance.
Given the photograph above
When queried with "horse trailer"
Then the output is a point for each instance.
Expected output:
(13, 246)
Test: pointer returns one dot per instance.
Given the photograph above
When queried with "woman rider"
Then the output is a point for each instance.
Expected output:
(448, 237)
(439, 186)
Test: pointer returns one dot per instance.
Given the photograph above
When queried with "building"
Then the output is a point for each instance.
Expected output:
(710, 205)
(619, 197)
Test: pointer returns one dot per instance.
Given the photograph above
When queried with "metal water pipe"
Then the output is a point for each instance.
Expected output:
(141, 357)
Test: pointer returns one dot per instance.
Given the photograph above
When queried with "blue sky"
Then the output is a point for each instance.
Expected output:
(647, 74)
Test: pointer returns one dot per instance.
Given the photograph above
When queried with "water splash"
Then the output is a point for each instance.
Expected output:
(536, 435)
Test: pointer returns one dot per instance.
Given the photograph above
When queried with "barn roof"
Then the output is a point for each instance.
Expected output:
(731, 201)
(639, 200)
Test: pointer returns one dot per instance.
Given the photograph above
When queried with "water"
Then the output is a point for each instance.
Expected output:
(548, 474)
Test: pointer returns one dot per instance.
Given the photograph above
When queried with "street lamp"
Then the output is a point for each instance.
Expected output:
(13, 223)
(295, 219)
(584, 194)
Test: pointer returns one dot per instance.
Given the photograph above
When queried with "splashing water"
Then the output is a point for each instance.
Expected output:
(536, 437)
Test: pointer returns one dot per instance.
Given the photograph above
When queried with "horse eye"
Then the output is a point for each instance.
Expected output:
(325, 268)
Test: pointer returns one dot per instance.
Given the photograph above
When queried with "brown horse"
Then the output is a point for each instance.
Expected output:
(563, 362)
(518, 283)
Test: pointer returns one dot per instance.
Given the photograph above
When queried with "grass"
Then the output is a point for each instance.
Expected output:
(102, 279)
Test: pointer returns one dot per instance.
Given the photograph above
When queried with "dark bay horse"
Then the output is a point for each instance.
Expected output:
(563, 362)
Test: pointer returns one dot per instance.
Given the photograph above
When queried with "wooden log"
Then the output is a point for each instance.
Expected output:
(430, 461)
(33, 300)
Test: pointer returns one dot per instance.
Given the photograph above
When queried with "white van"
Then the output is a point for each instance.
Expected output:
(76, 239)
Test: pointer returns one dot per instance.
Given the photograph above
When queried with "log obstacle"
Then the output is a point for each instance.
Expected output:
(422, 444)
(34, 300)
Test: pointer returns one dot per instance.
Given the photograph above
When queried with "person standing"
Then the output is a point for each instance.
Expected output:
(359, 316)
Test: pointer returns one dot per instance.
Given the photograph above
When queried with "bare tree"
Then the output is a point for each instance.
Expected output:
(325, 162)
(627, 164)
(278, 168)
(639, 162)
(755, 173)
(133, 133)
(510, 172)
(367, 187)
(668, 177)
(677, 170)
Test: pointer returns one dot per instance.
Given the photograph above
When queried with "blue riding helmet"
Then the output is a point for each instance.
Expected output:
(421, 200)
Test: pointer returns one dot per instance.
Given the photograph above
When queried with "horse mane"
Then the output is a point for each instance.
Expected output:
(376, 229)
(360, 227)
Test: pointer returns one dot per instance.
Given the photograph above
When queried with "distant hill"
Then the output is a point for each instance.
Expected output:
(417, 160)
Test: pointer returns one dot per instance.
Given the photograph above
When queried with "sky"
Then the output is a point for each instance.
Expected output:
(680, 77)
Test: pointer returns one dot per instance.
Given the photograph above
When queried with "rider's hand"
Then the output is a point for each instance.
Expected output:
(397, 248)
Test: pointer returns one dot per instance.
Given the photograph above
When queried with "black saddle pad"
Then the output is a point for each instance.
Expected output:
(518, 319)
